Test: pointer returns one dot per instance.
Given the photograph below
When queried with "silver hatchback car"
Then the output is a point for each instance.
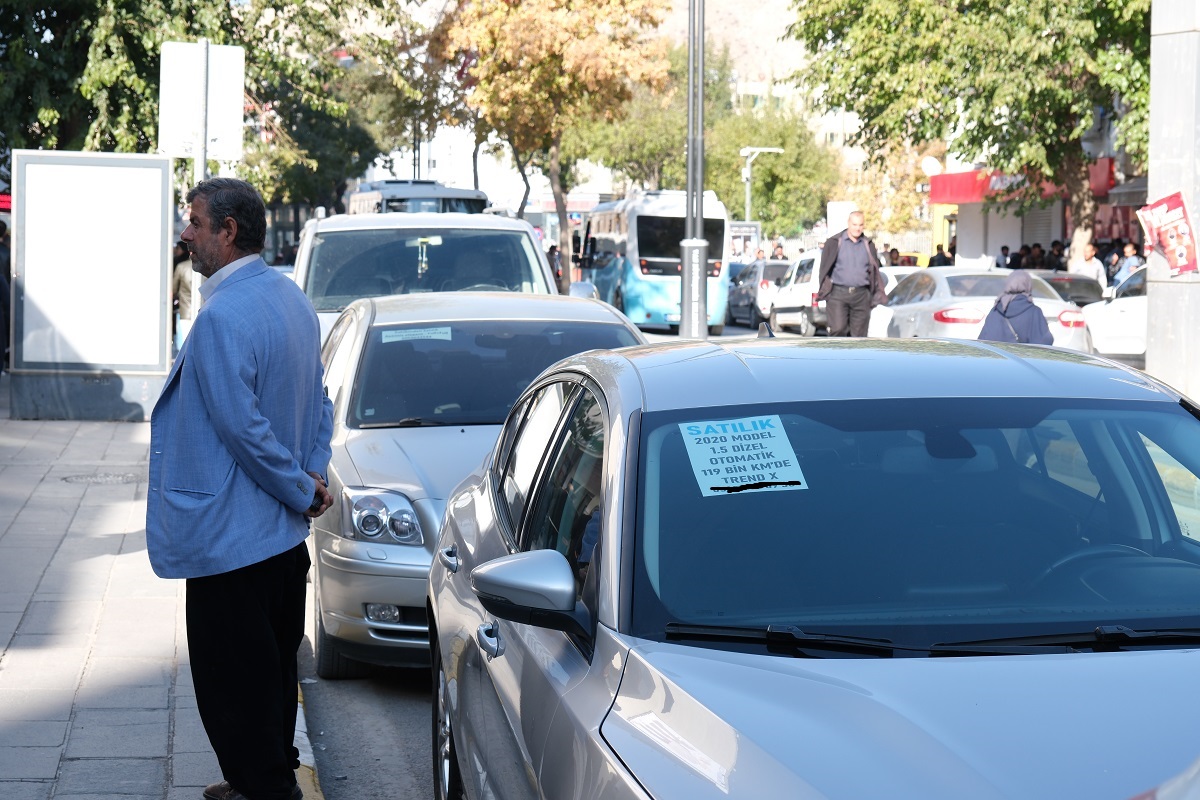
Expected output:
(823, 568)
(420, 385)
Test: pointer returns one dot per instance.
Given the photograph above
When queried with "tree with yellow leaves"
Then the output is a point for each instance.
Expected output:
(538, 66)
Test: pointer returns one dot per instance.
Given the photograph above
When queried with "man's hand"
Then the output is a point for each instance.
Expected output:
(322, 499)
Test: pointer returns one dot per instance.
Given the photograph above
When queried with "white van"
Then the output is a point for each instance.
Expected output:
(795, 306)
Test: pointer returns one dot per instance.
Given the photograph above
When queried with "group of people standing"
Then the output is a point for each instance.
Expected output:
(1115, 265)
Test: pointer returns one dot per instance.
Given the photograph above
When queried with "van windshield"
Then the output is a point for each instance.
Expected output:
(347, 265)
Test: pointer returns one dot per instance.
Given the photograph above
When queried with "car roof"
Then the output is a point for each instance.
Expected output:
(432, 219)
(738, 371)
(463, 306)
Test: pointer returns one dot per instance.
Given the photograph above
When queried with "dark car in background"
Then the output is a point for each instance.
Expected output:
(1078, 289)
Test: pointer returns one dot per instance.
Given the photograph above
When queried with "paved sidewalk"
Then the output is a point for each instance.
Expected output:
(96, 697)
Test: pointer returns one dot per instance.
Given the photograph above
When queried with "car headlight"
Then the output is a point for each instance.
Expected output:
(376, 515)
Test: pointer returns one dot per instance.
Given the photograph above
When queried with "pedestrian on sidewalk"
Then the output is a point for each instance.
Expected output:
(239, 446)
(850, 283)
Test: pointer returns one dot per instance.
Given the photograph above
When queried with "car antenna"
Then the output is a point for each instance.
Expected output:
(764, 331)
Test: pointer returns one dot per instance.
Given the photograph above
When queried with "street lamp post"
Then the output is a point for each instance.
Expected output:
(751, 153)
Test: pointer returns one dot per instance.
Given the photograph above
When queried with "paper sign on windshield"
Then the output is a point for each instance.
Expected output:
(409, 334)
(751, 454)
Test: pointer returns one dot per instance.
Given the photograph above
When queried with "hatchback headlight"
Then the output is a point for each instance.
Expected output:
(376, 515)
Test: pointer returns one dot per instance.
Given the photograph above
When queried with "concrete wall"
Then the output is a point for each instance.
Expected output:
(1173, 335)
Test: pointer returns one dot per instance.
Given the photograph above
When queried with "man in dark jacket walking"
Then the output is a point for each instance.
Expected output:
(850, 283)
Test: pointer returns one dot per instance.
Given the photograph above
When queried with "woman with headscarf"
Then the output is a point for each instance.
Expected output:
(1014, 317)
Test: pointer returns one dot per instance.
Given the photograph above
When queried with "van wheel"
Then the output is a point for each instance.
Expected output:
(755, 317)
(716, 330)
(806, 326)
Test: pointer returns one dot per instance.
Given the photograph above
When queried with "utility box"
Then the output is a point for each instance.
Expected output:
(92, 246)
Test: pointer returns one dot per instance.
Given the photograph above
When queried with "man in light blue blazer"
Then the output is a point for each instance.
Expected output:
(239, 446)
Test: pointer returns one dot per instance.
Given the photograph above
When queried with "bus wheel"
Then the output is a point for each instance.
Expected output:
(716, 330)
(673, 330)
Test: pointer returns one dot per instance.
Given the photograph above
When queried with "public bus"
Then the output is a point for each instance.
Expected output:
(405, 196)
(632, 256)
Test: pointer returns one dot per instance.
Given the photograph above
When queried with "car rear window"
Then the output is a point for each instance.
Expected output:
(992, 285)
(774, 271)
(347, 265)
(1077, 290)
(463, 373)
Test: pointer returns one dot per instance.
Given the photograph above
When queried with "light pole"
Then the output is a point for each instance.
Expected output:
(751, 153)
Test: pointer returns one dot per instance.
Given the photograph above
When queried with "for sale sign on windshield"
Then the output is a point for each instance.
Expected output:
(1169, 230)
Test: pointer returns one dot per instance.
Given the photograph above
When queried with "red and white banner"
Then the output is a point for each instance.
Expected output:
(1169, 230)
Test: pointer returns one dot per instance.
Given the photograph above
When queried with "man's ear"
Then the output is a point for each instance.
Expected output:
(229, 225)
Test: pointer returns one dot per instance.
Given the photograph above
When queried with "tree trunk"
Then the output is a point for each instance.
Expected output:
(560, 206)
(1077, 180)
(522, 167)
(479, 140)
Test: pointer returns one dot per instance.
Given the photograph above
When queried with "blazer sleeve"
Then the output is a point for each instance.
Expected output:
(318, 458)
(225, 368)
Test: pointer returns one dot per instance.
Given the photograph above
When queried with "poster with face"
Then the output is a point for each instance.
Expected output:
(1169, 230)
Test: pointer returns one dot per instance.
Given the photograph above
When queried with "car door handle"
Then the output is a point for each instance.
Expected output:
(449, 557)
(489, 640)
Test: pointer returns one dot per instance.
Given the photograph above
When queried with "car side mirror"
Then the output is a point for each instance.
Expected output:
(534, 588)
(583, 289)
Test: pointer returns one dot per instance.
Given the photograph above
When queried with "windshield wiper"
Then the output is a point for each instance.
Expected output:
(407, 422)
(1100, 638)
(782, 636)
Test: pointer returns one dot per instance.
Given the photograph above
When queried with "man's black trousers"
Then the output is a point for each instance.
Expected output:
(244, 628)
(848, 310)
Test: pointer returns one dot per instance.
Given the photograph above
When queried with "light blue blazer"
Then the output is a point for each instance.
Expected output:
(240, 422)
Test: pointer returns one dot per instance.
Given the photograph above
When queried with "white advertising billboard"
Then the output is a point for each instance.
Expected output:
(180, 96)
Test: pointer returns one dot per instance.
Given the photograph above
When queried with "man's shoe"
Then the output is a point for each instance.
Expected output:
(223, 791)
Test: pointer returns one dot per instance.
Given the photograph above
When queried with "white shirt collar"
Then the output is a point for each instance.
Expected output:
(210, 285)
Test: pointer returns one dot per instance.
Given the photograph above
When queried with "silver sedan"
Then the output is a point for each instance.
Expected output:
(420, 385)
(952, 302)
(825, 568)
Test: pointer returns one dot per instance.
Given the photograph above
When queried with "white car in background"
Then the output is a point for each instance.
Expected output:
(1118, 324)
(795, 306)
(952, 302)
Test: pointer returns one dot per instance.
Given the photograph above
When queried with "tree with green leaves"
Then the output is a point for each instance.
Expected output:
(84, 75)
(789, 190)
(1017, 82)
(649, 149)
(538, 66)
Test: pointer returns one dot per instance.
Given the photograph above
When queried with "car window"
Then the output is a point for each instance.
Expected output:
(346, 265)
(804, 271)
(1080, 291)
(903, 291)
(923, 288)
(1134, 285)
(919, 520)
(464, 373)
(1182, 485)
(529, 444)
(992, 285)
(335, 355)
(567, 512)
(773, 272)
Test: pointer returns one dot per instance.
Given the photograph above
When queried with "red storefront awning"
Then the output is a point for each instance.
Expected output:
(957, 188)
(5, 202)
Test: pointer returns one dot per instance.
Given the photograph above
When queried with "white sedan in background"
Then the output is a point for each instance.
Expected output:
(952, 302)
(1118, 324)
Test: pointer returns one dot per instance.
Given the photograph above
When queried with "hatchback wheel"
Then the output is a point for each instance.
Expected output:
(332, 665)
(447, 780)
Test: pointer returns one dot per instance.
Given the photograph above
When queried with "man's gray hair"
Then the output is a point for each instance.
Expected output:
(230, 197)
